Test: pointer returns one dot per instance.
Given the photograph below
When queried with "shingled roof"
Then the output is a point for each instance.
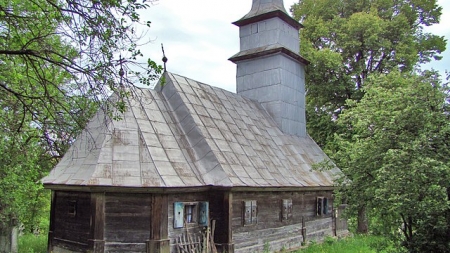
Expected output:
(189, 134)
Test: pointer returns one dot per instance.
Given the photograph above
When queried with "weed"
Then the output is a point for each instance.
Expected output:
(355, 244)
(30, 243)
(266, 248)
(329, 240)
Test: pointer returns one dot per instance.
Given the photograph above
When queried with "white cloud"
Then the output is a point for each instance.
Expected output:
(198, 37)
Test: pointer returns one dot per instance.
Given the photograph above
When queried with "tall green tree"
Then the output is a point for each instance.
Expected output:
(93, 44)
(59, 62)
(395, 155)
(348, 40)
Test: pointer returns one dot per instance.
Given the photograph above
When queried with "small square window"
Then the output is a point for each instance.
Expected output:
(72, 210)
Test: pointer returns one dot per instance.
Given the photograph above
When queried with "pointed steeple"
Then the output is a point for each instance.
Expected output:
(269, 68)
(265, 6)
(264, 9)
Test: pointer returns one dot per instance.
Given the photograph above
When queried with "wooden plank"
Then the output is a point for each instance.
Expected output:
(213, 230)
(270, 225)
(159, 233)
(127, 218)
(228, 214)
(97, 242)
(125, 247)
(159, 214)
(70, 245)
(72, 227)
(52, 222)
(229, 208)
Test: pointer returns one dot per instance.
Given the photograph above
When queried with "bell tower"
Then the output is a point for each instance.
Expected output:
(269, 68)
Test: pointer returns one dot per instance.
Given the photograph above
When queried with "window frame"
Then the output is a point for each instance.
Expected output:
(72, 208)
(187, 214)
(286, 209)
(250, 213)
(193, 214)
(322, 206)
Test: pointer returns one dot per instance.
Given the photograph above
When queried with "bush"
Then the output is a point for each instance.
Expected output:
(30, 243)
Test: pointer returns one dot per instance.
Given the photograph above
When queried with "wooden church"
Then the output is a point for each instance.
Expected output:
(188, 160)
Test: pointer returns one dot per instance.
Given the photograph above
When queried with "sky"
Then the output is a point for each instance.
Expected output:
(199, 38)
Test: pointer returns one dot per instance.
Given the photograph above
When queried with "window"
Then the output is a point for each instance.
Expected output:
(286, 209)
(72, 210)
(322, 206)
(254, 28)
(250, 212)
(190, 213)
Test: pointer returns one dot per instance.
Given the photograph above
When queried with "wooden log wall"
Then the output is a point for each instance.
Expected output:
(127, 222)
(271, 228)
(72, 230)
(317, 230)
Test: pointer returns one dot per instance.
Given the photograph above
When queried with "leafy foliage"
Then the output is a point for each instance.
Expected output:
(348, 40)
(90, 46)
(395, 154)
(59, 62)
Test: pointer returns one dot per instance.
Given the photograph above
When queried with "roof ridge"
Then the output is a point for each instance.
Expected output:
(207, 163)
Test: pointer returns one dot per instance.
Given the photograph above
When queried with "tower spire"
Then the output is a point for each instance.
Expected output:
(265, 9)
(265, 6)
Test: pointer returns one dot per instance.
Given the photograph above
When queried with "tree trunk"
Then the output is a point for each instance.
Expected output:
(363, 225)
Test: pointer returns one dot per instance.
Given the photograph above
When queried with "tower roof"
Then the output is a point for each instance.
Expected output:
(265, 9)
(264, 6)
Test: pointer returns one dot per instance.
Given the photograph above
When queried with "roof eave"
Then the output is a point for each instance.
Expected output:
(264, 16)
(205, 188)
(255, 54)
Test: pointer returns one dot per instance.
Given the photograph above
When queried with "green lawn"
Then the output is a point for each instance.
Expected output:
(357, 244)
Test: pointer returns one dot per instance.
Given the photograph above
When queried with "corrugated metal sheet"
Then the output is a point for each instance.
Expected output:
(189, 134)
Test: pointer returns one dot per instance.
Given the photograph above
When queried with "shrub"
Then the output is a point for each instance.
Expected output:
(30, 243)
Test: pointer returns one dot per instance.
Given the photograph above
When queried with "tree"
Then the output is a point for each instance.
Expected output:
(92, 44)
(395, 154)
(347, 41)
(60, 60)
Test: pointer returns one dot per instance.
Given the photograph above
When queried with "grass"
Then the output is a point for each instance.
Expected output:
(356, 244)
(31, 243)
